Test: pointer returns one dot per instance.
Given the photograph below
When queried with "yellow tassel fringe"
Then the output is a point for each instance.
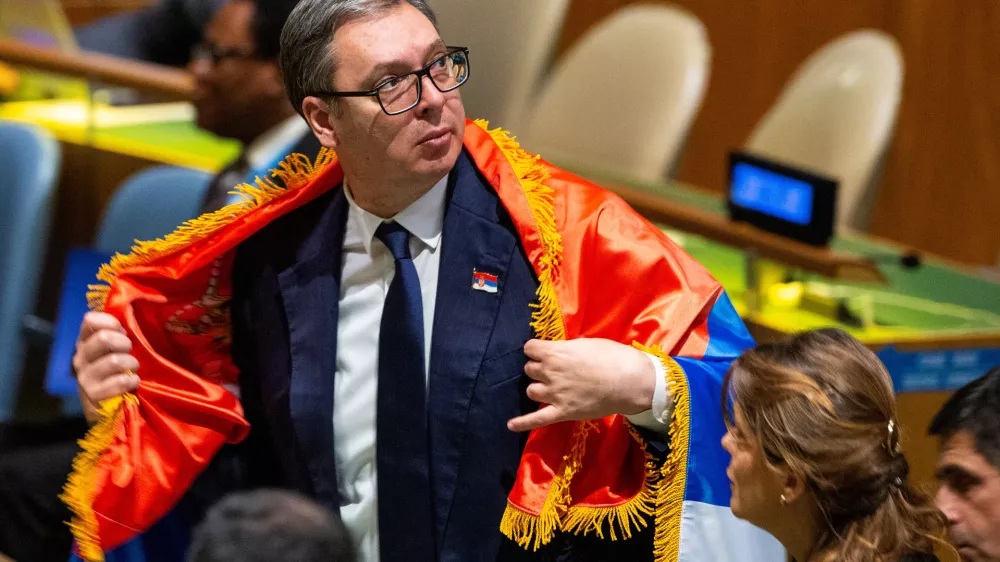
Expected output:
(663, 490)
(79, 492)
(672, 478)
(547, 320)
(294, 172)
(526, 529)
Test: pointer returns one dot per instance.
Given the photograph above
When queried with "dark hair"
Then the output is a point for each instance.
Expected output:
(268, 525)
(269, 17)
(974, 408)
(307, 58)
(822, 404)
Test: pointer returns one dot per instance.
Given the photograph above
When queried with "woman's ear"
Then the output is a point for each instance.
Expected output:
(320, 118)
(793, 486)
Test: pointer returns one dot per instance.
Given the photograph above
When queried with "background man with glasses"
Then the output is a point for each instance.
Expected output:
(384, 314)
(239, 93)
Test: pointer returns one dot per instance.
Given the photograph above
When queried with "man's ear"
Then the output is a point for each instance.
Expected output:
(319, 116)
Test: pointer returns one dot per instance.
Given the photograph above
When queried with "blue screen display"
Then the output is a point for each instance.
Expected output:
(771, 193)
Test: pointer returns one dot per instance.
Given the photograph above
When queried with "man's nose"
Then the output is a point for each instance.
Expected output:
(430, 96)
(945, 501)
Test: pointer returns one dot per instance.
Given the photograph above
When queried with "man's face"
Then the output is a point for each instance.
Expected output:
(234, 94)
(969, 496)
(421, 144)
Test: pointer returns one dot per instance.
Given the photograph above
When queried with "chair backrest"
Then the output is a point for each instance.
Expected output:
(29, 168)
(623, 97)
(510, 45)
(151, 204)
(836, 116)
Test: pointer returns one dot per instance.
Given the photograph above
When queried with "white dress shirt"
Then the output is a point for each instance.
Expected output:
(367, 271)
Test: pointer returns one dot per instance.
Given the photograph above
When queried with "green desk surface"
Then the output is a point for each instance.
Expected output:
(162, 133)
(932, 301)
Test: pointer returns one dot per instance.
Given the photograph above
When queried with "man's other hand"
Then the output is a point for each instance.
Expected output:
(103, 365)
(585, 379)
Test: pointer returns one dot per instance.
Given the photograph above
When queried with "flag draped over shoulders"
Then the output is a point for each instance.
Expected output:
(603, 272)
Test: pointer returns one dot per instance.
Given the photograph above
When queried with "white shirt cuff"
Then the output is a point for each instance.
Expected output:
(657, 418)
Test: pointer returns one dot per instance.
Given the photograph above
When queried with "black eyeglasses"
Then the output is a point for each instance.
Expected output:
(400, 94)
(215, 54)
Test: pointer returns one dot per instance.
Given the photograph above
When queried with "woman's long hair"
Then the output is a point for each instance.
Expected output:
(823, 405)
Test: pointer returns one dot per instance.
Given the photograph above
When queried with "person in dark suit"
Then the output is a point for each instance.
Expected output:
(397, 292)
(968, 467)
(240, 47)
(816, 456)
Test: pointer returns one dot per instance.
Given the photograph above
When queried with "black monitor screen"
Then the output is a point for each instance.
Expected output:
(773, 194)
(781, 199)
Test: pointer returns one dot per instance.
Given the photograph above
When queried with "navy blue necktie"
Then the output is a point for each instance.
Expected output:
(405, 511)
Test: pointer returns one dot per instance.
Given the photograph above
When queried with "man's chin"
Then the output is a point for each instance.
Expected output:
(430, 166)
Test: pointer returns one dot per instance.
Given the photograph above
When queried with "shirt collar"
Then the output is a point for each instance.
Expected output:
(424, 218)
(275, 142)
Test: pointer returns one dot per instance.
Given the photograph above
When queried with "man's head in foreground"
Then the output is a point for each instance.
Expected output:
(268, 525)
(968, 467)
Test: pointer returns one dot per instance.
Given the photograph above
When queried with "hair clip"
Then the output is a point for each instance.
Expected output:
(891, 444)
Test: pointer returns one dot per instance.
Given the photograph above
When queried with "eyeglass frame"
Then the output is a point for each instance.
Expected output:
(215, 54)
(425, 71)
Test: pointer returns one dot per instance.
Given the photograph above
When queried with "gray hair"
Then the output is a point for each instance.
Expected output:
(307, 57)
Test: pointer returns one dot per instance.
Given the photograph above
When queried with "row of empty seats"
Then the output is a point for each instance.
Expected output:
(148, 205)
(623, 98)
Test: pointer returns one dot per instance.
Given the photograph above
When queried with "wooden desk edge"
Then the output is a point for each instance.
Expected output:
(832, 264)
(766, 334)
(162, 80)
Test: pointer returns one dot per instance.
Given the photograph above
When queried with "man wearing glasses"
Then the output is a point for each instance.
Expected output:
(398, 316)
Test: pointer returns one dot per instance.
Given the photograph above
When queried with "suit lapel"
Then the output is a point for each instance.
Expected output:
(310, 292)
(472, 239)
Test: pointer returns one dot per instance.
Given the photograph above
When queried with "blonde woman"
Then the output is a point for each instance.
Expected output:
(815, 452)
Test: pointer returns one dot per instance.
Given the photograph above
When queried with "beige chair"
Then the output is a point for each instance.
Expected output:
(836, 117)
(622, 99)
(510, 45)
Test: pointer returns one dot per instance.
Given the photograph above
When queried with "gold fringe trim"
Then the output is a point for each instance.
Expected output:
(294, 172)
(672, 477)
(535, 531)
(526, 529)
(79, 491)
(547, 319)
(620, 520)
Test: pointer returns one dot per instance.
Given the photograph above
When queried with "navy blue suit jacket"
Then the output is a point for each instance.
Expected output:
(285, 312)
